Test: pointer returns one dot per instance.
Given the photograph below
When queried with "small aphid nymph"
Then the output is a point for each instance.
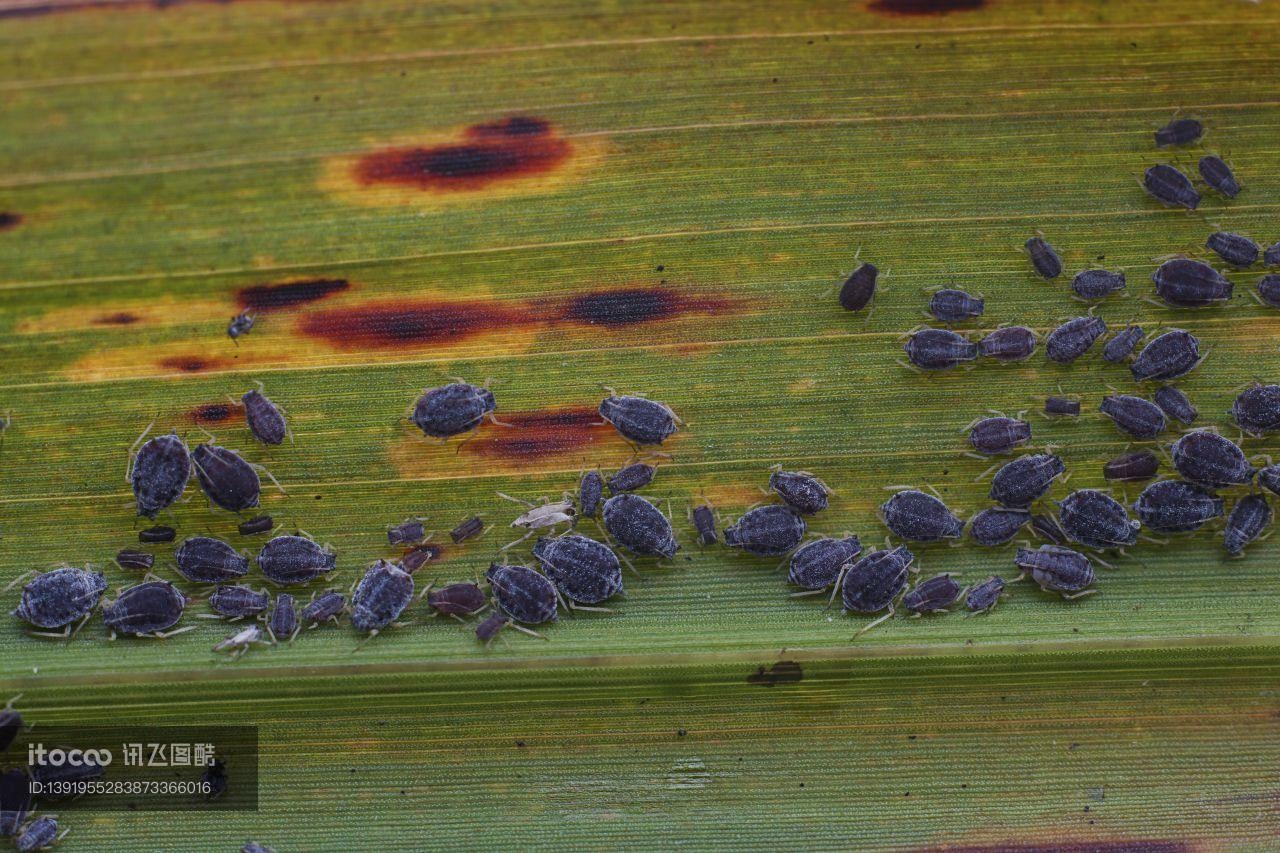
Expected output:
(1249, 517)
(1061, 407)
(919, 517)
(704, 521)
(452, 409)
(467, 529)
(257, 524)
(1181, 131)
(157, 535)
(1097, 520)
(406, 532)
(380, 596)
(265, 420)
(994, 436)
(800, 490)
(1174, 506)
(235, 602)
(632, 477)
(1074, 338)
(138, 561)
(1056, 569)
(1131, 467)
(767, 531)
(284, 618)
(202, 559)
(1218, 175)
(1170, 187)
(1097, 284)
(590, 493)
(859, 288)
(241, 324)
(1008, 344)
(939, 349)
(639, 526)
(1185, 283)
(159, 474)
(1236, 249)
(640, 420)
(1044, 258)
(1176, 405)
(955, 306)
(1025, 480)
(985, 596)
(1169, 356)
(326, 607)
(457, 599)
(1134, 416)
(932, 596)
(1121, 346)
(997, 525)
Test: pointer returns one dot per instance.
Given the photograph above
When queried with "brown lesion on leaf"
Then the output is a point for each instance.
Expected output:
(538, 434)
(282, 295)
(192, 363)
(620, 307)
(924, 7)
(215, 413)
(517, 155)
(9, 220)
(406, 324)
(782, 672)
(117, 318)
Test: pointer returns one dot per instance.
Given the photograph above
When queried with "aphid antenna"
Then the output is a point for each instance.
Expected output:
(1154, 540)
(29, 573)
(986, 473)
(899, 488)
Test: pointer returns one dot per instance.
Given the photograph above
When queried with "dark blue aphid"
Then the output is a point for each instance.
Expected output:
(936, 594)
(704, 521)
(1062, 407)
(1120, 346)
(241, 324)
(1056, 569)
(1249, 517)
(327, 606)
(225, 478)
(1173, 354)
(1132, 467)
(1044, 258)
(1269, 478)
(264, 418)
(1257, 409)
(156, 535)
(284, 618)
(1272, 256)
(292, 560)
(590, 491)
(159, 474)
(1236, 249)
(1097, 520)
(1097, 284)
(997, 525)
(817, 565)
(640, 420)
(407, 532)
(1175, 404)
(918, 517)
(639, 526)
(986, 595)
(1182, 131)
(1170, 187)
(1211, 460)
(1218, 175)
(56, 599)
(584, 570)
(257, 524)
(955, 306)
(380, 597)
(466, 529)
(1184, 283)
(873, 583)
(238, 601)
(15, 801)
(202, 559)
(859, 288)
(766, 531)
(1269, 290)
(148, 608)
(939, 349)
(491, 625)
(993, 436)
(1134, 416)
(1172, 506)
(37, 835)
(800, 490)
(1026, 479)
(1074, 338)
(522, 593)
(632, 477)
(452, 409)
(1008, 344)
(457, 599)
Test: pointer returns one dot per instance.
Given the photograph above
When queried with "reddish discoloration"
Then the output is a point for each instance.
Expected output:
(189, 363)
(924, 7)
(286, 294)
(214, 413)
(628, 306)
(540, 433)
(1126, 845)
(120, 318)
(515, 147)
(8, 220)
(404, 323)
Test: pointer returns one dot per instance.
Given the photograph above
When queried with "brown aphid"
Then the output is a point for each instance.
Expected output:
(467, 529)
(139, 561)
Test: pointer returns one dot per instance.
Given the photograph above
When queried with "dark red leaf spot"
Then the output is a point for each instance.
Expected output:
(9, 220)
(540, 433)
(273, 297)
(782, 672)
(189, 363)
(630, 305)
(214, 413)
(120, 318)
(924, 7)
(515, 147)
(399, 324)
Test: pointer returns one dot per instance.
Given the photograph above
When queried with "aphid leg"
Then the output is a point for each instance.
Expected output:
(19, 579)
(1101, 562)
(516, 500)
(1081, 594)
(986, 473)
(808, 593)
(910, 367)
(64, 634)
(935, 492)
(581, 607)
(874, 623)
(1154, 540)
(270, 476)
(164, 635)
(836, 587)
(525, 630)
